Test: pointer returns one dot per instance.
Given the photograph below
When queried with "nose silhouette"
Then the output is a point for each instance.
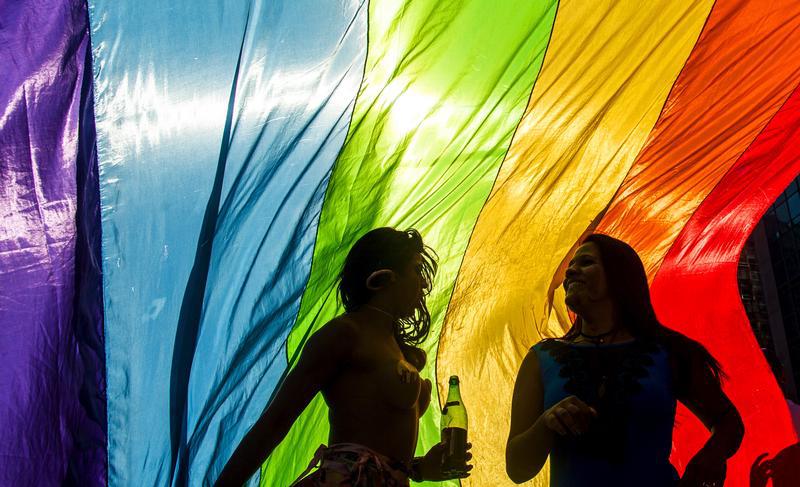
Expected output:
(571, 272)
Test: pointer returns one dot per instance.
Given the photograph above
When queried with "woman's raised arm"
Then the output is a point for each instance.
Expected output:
(322, 357)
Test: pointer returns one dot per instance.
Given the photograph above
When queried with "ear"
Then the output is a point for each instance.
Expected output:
(378, 279)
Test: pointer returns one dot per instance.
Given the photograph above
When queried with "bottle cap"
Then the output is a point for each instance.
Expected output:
(453, 380)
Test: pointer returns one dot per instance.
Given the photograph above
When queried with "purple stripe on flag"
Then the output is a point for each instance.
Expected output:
(52, 384)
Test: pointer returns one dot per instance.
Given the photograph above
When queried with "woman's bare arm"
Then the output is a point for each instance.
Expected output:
(533, 427)
(322, 357)
(529, 439)
(705, 398)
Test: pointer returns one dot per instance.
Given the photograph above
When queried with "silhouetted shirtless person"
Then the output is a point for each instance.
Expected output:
(366, 364)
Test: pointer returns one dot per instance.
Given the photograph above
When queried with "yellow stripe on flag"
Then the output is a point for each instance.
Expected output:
(607, 73)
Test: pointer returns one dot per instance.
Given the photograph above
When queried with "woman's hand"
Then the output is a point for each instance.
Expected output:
(407, 372)
(704, 470)
(569, 416)
(760, 471)
(325, 352)
(430, 466)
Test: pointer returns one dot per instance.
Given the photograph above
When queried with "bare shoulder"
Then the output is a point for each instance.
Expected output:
(341, 331)
(530, 364)
(527, 401)
(333, 344)
(528, 375)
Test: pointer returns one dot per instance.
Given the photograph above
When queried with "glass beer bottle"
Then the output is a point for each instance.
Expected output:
(454, 431)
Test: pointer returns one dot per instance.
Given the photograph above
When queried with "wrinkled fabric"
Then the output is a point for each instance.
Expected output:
(244, 146)
(218, 125)
(608, 71)
(717, 114)
(52, 404)
(727, 102)
(696, 291)
(444, 88)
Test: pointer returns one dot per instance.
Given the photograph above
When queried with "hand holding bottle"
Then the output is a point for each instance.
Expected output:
(431, 465)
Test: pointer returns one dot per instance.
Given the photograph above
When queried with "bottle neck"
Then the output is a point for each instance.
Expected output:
(454, 414)
(454, 394)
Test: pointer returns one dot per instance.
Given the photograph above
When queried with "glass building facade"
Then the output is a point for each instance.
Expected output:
(769, 284)
(782, 228)
(753, 296)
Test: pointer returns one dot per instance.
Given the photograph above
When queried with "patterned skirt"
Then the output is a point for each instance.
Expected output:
(353, 465)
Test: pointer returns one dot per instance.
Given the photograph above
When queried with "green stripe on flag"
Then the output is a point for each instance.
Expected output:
(445, 85)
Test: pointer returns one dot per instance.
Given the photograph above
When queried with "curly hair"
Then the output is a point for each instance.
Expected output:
(388, 248)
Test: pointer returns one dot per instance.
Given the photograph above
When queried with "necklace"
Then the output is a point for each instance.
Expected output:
(601, 337)
(380, 311)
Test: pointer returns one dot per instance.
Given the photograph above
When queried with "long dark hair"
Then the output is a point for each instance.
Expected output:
(627, 286)
(388, 248)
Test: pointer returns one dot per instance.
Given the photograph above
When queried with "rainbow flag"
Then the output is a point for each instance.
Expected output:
(183, 180)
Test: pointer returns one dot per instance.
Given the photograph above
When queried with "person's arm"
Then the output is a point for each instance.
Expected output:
(532, 430)
(322, 356)
(704, 397)
(429, 467)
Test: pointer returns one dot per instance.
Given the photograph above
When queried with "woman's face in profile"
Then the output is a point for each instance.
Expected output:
(411, 286)
(585, 281)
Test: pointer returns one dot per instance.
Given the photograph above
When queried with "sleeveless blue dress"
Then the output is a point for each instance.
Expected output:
(630, 386)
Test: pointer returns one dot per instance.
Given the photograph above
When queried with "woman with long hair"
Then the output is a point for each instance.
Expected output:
(601, 400)
(366, 364)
